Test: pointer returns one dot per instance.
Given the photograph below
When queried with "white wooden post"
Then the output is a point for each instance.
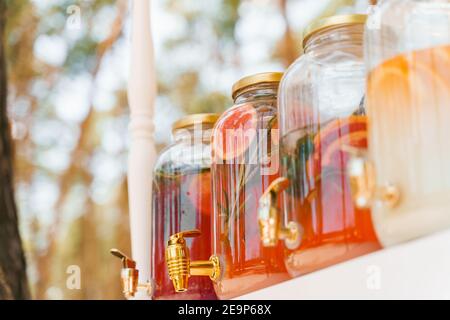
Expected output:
(141, 96)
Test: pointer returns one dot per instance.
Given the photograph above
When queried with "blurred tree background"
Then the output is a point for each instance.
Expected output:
(67, 62)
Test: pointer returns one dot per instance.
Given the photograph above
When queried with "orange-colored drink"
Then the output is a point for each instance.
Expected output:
(320, 198)
(238, 183)
(409, 108)
(181, 201)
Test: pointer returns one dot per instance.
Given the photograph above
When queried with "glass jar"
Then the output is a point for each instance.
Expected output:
(244, 163)
(322, 119)
(182, 201)
(408, 102)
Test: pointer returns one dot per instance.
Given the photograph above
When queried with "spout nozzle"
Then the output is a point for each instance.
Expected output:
(180, 283)
(269, 232)
(130, 276)
(364, 187)
(292, 235)
(269, 218)
(181, 267)
(362, 183)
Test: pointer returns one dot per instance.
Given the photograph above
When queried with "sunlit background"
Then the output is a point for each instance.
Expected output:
(69, 111)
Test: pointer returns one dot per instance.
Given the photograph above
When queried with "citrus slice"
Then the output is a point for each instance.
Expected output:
(333, 135)
(388, 85)
(336, 155)
(234, 133)
(416, 79)
(338, 128)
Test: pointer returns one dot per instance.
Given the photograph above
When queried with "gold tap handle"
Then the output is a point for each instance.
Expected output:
(180, 266)
(126, 261)
(179, 237)
(270, 225)
(292, 235)
(278, 185)
(364, 187)
(188, 234)
(130, 276)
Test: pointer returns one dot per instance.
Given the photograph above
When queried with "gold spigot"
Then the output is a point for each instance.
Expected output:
(130, 276)
(363, 184)
(180, 265)
(271, 229)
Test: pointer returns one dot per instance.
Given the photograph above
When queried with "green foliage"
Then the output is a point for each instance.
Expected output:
(215, 102)
(225, 23)
(81, 57)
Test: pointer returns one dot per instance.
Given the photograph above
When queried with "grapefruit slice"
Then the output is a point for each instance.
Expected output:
(234, 133)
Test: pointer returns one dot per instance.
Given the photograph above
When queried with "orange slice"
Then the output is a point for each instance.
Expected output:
(412, 80)
(329, 144)
(336, 156)
(333, 132)
(338, 128)
(388, 85)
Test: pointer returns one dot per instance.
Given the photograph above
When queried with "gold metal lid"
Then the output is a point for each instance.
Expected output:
(199, 118)
(332, 22)
(265, 77)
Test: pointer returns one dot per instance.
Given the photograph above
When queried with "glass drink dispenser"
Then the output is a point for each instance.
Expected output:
(244, 162)
(322, 120)
(405, 179)
(182, 201)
